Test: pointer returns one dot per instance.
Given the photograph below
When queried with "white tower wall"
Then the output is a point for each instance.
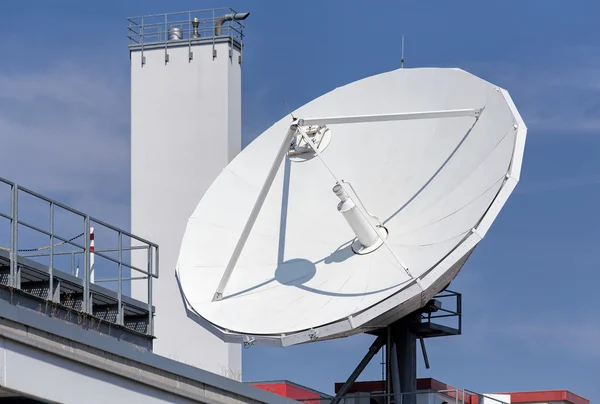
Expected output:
(185, 128)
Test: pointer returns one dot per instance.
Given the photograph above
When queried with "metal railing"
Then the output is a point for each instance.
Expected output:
(450, 396)
(453, 315)
(53, 247)
(157, 28)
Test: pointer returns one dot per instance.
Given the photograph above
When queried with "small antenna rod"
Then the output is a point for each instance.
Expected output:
(402, 59)
(288, 108)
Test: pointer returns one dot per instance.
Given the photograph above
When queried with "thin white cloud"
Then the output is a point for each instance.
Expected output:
(573, 337)
(558, 184)
(560, 94)
(64, 132)
(568, 335)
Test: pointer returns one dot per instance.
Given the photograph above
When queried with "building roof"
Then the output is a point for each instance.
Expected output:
(120, 350)
(544, 396)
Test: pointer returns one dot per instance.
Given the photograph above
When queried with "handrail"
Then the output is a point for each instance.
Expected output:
(59, 245)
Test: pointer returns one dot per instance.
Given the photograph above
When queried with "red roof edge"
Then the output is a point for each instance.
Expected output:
(289, 389)
(546, 396)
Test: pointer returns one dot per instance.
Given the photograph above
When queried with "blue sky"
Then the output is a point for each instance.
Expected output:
(529, 290)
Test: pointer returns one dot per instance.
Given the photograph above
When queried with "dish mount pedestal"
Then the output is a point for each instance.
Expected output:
(400, 341)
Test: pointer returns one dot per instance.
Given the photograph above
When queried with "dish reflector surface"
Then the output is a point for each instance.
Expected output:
(436, 185)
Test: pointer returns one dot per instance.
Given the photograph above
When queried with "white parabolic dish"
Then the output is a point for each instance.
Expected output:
(436, 184)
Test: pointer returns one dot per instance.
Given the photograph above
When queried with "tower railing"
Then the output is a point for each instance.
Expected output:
(187, 26)
(74, 248)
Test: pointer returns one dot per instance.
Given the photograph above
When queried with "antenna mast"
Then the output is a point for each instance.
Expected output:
(402, 58)
(288, 108)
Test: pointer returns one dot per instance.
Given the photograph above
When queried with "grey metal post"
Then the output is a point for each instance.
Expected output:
(167, 41)
(424, 352)
(142, 57)
(459, 310)
(51, 259)
(214, 51)
(150, 330)
(405, 340)
(156, 261)
(388, 364)
(15, 280)
(120, 282)
(86, 266)
(395, 376)
(190, 54)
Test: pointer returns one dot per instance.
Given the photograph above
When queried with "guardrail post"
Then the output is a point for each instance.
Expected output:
(120, 316)
(150, 330)
(86, 266)
(51, 293)
(459, 311)
(15, 278)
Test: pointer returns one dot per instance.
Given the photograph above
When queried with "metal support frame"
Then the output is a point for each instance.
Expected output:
(400, 339)
(443, 312)
(401, 374)
(405, 344)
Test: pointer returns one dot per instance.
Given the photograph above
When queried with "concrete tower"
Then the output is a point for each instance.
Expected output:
(185, 128)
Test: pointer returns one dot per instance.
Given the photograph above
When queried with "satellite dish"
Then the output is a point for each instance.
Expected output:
(356, 212)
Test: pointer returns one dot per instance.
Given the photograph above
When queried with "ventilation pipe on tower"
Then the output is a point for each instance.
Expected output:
(175, 34)
(228, 17)
(195, 24)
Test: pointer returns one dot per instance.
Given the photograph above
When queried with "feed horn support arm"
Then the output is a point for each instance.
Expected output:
(404, 116)
(254, 214)
(292, 131)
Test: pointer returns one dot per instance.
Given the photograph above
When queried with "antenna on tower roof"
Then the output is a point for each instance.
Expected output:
(402, 58)
(288, 108)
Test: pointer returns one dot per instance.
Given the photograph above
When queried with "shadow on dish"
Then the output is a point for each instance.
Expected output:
(295, 272)
(340, 255)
